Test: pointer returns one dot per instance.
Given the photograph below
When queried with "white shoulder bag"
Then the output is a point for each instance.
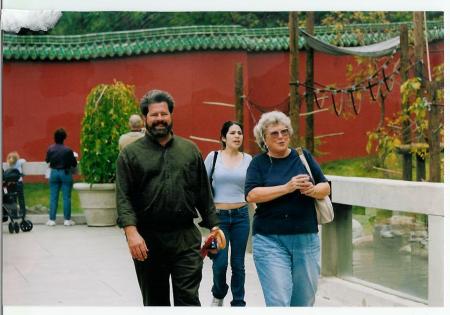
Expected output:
(324, 207)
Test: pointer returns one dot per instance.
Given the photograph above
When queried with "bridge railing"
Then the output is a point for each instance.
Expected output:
(396, 195)
(32, 168)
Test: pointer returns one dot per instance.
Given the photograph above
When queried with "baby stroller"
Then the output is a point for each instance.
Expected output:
(9, 207)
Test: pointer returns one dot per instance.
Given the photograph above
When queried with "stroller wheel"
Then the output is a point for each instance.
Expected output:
(16, 227)
(11, 227)
(26, 225)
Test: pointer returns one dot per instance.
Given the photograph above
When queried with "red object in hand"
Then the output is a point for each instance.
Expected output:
(216, 236)
(207, 246)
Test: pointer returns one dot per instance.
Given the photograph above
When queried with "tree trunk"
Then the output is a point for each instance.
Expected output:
(294, 106)
(309, 132)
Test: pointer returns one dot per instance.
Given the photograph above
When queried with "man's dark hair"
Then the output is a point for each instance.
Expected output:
(156, 96)
(226, 126)
(60, 135)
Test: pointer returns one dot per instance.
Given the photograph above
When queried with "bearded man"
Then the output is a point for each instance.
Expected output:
(161, 183)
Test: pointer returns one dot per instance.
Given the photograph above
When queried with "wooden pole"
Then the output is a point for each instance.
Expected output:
(293, 77)
(382, 110)
(309, 132)
(406, 126)
(418, 19)
(239, 93)
(434, 137)
(418, 43)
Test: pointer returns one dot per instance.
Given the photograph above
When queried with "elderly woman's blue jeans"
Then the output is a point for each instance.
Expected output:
(60, 180)
(288, 268)
(235, 225)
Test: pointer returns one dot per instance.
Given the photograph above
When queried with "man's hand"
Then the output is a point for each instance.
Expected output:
(219, 237)
(136, 243)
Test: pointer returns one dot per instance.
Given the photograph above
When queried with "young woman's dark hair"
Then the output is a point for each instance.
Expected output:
(60, 135)
(226, 126)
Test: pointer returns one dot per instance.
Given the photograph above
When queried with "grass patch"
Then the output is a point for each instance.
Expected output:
(366, 167)
(39, 194)
(359, 167)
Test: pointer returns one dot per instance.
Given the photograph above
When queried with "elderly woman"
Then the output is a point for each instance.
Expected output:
(286, 245)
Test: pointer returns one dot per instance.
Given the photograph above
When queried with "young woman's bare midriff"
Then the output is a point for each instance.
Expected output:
(229, 206)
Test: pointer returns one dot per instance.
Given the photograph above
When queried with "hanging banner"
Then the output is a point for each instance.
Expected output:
(375, 50)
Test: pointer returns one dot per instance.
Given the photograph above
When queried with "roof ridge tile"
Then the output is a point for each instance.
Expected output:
(188, 38)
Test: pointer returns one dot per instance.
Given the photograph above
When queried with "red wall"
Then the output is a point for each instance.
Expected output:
(39, 97)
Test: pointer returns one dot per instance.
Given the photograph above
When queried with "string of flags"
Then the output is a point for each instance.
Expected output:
(373, 87)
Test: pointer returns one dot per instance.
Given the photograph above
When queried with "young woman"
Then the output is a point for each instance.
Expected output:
(228, 180)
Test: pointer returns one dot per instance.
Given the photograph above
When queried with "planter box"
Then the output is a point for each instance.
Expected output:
(98, 202)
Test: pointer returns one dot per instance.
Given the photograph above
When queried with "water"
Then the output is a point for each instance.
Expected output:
(404, 273)
(395, 260)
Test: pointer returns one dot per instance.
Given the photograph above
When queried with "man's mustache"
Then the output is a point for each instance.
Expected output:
(159, 128)
(164, 123)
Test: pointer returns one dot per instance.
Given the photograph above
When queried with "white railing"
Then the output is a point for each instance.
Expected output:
(32, 168)
(396, 195)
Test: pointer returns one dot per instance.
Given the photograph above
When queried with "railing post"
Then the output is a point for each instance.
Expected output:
(435, 260)
(337, 243)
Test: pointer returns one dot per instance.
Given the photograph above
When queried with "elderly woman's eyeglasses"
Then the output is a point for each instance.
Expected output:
(277, 133)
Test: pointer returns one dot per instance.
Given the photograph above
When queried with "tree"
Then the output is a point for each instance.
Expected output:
(387, 139)
(108, 107)
(93, 22)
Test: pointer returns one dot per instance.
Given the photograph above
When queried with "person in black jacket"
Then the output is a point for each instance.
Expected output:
(161, 185)
(62, 161)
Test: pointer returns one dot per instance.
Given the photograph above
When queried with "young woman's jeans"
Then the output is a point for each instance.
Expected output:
(60, 180)
(235, 225)
(288, 268)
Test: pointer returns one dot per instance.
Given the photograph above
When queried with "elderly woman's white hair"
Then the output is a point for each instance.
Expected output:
(267, 119)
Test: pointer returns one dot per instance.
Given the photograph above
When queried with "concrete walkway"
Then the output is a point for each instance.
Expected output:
(86, 266)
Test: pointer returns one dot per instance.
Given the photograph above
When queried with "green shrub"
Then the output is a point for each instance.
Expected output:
(108, 108)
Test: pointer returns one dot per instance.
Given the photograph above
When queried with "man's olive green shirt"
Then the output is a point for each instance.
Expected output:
(162, 187)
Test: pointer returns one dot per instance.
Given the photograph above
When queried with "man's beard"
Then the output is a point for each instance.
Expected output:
(157, 131)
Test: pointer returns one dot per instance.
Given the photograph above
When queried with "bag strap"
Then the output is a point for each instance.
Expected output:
(213, 167)
(304, 162)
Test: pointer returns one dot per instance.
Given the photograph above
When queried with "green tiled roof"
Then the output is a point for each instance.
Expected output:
(191, 38)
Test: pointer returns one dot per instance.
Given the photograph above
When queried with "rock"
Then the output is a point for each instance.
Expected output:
(386, 232)
(401, 220)
(398, 232)
(405, 249)
(363, 241)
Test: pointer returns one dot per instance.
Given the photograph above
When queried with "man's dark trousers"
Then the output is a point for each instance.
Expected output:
(174, 253)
